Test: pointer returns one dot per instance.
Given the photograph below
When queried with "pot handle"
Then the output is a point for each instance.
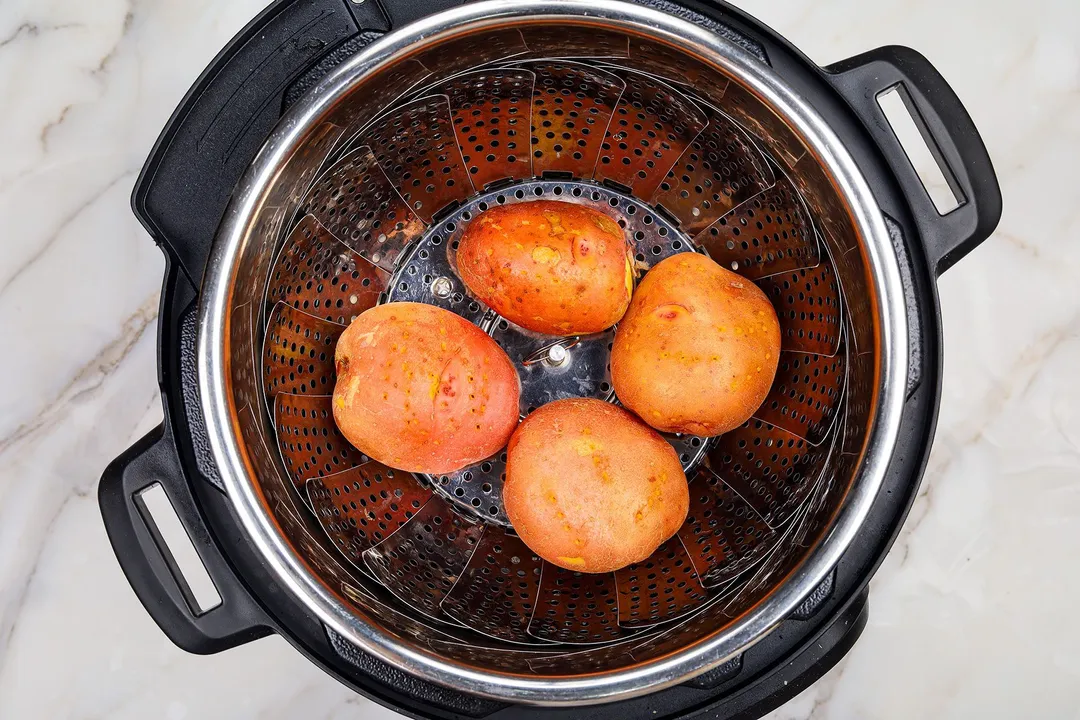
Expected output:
(948, 131)
(150, 566)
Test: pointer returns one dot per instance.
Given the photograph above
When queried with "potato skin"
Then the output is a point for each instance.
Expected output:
(552, 267)
(423, 390)
(698, 349)
(589, 487)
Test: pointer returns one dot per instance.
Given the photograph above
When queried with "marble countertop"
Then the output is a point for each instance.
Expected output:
(973, 613)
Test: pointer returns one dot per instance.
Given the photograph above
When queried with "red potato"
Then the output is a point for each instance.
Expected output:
(589, 487)
(423, 390)
(698, 349)
(552, 267)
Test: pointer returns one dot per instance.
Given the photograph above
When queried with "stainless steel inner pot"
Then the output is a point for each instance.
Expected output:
(693, 145)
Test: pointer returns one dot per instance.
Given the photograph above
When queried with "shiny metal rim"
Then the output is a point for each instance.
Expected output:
(603, 687)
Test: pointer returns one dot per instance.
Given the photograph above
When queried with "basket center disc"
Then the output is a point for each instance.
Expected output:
(550, 368)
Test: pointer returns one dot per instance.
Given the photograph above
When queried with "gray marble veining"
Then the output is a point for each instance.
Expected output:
(972, 614)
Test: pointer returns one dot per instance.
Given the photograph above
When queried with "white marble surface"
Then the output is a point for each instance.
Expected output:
(974, 612)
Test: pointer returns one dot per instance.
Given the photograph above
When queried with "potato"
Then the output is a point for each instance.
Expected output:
(552, 267)
(590, 487)
(423, 390)
(697, 350)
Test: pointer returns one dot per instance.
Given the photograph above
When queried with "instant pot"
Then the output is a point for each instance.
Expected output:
(328, 161)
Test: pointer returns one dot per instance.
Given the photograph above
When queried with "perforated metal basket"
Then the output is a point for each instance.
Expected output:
(359, 198)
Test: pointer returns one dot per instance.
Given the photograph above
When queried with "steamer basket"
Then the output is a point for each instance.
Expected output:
(360, 197)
